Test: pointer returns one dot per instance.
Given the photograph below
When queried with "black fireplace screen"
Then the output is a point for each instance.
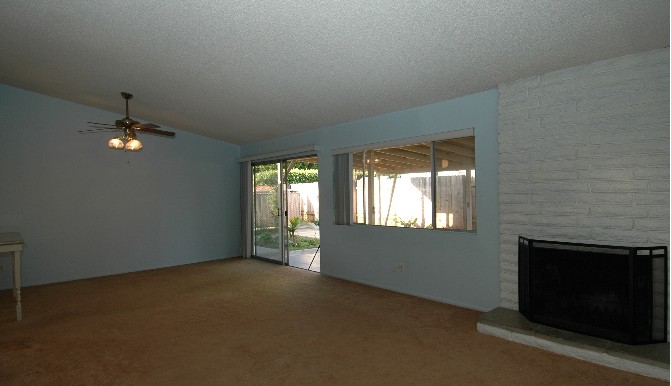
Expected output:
(616, 293)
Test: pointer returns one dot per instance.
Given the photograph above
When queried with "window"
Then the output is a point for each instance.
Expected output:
(428, 184)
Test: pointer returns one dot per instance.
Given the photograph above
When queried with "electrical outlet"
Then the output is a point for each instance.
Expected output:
(398, 267)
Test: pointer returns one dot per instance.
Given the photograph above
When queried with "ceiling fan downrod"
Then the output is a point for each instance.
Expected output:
(127, 96)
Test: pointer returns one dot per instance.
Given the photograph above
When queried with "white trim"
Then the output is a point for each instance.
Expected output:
(406, 141)
(297, 151)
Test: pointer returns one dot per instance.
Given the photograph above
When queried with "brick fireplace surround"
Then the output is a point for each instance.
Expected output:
(584, 157)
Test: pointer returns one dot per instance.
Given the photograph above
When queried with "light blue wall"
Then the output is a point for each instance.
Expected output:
(88, 211)
(454, 267)
(85, 210)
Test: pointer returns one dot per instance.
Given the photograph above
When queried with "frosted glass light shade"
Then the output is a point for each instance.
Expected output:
(133, 145)
(115, 143)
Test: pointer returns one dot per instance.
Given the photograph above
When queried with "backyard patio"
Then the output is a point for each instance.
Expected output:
(304, 258)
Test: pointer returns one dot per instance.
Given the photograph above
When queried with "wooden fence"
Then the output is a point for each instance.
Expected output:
(411, 200)
(265, 208)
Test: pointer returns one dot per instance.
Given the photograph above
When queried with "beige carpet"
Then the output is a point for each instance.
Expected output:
(238, 322)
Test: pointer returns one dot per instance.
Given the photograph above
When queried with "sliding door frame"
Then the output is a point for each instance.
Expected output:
(279, 215)
(280, 158)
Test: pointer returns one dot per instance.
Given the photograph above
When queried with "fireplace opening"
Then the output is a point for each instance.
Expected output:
(610, 292)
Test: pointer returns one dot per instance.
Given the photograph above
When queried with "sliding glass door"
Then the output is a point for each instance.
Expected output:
(269, 220)
(285, 224)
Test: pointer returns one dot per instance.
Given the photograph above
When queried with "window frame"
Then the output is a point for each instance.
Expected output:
(432, 139)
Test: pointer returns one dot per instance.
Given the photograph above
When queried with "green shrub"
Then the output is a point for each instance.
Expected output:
(293, 226)
(266, 178)
(296, 176)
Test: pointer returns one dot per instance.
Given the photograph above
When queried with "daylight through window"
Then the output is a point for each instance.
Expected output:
(427, 185)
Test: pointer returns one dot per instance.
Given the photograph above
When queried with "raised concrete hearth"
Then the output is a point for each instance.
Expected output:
(651, 360)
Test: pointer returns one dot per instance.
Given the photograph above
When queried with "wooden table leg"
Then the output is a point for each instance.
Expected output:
(17, 283)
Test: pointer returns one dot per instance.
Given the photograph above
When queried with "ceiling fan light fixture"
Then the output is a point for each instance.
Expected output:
(133, 145)
(115, 143)
(128, 126)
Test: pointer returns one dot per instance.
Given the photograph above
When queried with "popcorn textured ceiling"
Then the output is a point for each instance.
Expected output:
(244, 71)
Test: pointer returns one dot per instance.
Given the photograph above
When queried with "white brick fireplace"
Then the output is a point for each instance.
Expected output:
(584, 157)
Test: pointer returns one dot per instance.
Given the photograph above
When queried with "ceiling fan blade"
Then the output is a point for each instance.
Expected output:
(104, 124)
(93, 132)
(143, 126)
(104, 129)
(157, 132)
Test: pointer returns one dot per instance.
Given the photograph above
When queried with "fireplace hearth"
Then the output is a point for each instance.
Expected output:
(611, 292)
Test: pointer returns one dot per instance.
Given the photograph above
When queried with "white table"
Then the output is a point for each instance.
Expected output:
(12, 242)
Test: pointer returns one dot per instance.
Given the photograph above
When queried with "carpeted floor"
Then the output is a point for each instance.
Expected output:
(239, 322)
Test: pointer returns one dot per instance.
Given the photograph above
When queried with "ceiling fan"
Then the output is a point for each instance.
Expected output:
(128, 126)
